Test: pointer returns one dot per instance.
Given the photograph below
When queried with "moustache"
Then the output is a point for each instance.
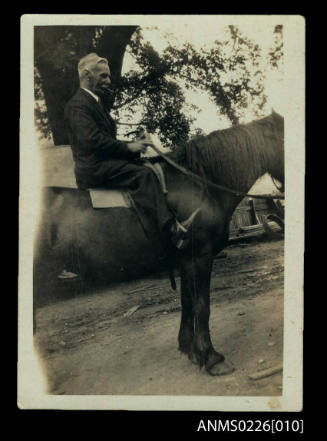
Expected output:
(107, 90)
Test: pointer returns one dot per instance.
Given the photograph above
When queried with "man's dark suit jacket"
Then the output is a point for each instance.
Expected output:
(92, 132)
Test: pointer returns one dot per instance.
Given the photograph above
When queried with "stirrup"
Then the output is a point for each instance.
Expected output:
(180, 231)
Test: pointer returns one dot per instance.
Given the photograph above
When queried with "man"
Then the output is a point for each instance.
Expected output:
(101, 160)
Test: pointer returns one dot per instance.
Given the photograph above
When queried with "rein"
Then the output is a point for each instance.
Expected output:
(210, 183)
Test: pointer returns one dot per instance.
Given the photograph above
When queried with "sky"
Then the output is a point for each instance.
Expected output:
(209, 118)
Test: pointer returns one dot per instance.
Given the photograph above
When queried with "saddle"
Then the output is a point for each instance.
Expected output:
(157, 170)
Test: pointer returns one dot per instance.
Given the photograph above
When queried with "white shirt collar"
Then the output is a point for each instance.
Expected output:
(91, 93)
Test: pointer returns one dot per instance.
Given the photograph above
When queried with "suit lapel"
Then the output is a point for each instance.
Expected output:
(98, 108)
(108, 118)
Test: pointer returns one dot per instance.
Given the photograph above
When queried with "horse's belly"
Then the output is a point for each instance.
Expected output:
(108, 243)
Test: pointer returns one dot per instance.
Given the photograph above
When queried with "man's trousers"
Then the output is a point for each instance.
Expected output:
(144, 188)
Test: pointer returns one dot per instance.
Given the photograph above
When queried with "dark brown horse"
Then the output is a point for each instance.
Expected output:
(107, 241)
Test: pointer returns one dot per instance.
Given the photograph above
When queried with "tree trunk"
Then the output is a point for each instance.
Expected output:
(112, 46)
(56, 96)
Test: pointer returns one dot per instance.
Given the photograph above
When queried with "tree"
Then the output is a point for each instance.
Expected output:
(276, 53)
(230, 73)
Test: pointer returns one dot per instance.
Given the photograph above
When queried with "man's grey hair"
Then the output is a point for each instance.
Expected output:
(89, 61)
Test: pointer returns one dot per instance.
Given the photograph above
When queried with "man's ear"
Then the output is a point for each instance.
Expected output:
(87, 74)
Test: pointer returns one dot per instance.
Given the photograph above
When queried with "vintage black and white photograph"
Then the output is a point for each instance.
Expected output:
(161, 212)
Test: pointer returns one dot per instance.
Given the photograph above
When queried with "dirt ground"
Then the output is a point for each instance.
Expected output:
(122, 339)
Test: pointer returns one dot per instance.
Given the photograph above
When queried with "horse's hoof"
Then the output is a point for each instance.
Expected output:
(192, 357)
(222, 368)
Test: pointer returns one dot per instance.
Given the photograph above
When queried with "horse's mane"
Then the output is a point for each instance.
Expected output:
(234, 154)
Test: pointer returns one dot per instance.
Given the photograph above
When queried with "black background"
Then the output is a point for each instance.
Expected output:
(124, 424)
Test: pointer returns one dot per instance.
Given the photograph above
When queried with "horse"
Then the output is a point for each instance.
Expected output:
(107, 240)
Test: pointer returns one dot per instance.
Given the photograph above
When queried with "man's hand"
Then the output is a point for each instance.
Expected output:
(136, 147)
(141, 143)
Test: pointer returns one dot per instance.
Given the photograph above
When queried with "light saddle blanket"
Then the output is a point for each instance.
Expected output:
(104, 198)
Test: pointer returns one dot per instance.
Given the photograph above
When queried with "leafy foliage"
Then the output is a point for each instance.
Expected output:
(276, 53)
(40, 109)
(228, 72)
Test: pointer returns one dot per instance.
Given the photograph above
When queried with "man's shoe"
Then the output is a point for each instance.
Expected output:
(67, 275)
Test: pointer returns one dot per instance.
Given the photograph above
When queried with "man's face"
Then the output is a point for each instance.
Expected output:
(100, 79)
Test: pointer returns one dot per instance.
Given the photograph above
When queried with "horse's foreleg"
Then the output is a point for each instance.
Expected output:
(200, 285)
(197, 273)
(186, 330)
